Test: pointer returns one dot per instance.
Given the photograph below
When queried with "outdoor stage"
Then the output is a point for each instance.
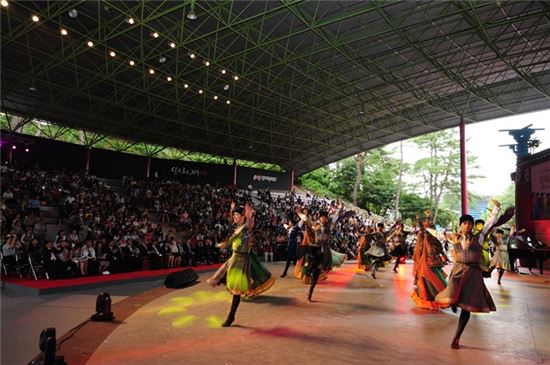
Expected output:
(354, 319)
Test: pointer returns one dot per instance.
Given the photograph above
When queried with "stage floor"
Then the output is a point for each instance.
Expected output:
(354, 319)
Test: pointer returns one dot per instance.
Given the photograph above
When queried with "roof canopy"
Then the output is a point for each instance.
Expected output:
(317, 81)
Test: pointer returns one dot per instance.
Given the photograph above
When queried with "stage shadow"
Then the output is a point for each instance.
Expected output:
(269, 299)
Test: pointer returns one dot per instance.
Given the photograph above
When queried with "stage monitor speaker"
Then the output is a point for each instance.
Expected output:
(181, 279)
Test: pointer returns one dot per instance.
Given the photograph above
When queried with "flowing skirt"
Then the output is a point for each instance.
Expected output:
(430, 282)
(338, 258)
(235, 272)
(466, 290)
(261, 278)
(501, 260)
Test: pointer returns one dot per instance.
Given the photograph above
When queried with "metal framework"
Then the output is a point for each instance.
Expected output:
(317, 80)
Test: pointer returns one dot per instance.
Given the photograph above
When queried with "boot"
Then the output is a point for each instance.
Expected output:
(231, 315)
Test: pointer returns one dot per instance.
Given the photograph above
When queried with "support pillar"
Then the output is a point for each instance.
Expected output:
(88, 156)
(234, 173)
(463, 180)
(148, 171)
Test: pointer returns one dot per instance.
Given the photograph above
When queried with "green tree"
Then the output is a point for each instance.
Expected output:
(440, 171)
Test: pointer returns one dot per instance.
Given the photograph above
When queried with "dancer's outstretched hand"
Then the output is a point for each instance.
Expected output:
(248, 211)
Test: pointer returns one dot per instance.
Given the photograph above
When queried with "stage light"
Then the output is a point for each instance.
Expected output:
(35, 18)
(168, 78)
(132, 63)
(64, 31)
(223, 72)
(172, 45)
(215, 97)
(186, 86)
(73, 13)
(151, 71)
(206, 63)
(27, 150)
(155, 35)
(112, 54)
(103, 308)
(226, 87)
(200, 91)
(14, 147)
(90, 44)
(130, 20)
(191, 15)
(162, 59)
(32, 87)
(236, 77)
(192, 55)
(4, 3)
(228, 102)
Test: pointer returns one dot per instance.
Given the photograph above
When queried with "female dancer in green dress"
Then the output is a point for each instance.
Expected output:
(236, 270)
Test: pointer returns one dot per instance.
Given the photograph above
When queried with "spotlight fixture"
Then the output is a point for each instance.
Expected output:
(200, 91)
(73, 13)
(27, 150)
(228, 102)
(162, 59)
(4, 3)
(215, 97)
(47, 345)
(90, 44)
(226, 87)
(236, 77)
(155, 35)
(35, 18)
(223, 72)
(151, 71)
(192, 55)
(64, 31)
(14, 147)
(191, 15)
(132, 63)
(186, 86)
(130, 21)
(32, 87)
(172, 45)
(103, 308)
(112, 54)
(206, 63)
(168, 78)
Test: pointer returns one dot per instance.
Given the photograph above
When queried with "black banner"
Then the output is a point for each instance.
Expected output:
(51, 154)
(47, 153)
(114, 165)
(192, 172)
(262, 179)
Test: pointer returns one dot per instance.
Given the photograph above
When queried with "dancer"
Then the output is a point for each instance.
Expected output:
(378, 250)
(429, 277)
(397, 240)
(363, 260)
(292, 245)
(501, 260)
(466, 288)
(485, 261)
(318, 256)
(236, 270)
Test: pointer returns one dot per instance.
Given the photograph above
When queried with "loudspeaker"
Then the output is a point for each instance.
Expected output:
(180, 279)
